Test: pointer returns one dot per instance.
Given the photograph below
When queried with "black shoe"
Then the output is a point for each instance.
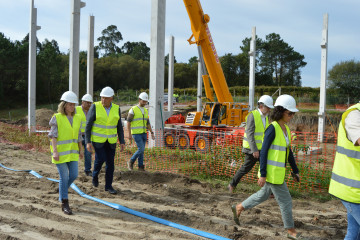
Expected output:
(65, 207)
(88, 173)
(111, 190)
(142, 169)
(95, 182)
(130, 165)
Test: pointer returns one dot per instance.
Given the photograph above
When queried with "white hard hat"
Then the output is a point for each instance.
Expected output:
(87, 97)
(267, 100)
(70, 97)
(287, 102)
(144, 96)
(107, 92)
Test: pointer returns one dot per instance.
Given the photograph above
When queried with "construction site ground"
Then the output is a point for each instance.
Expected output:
(29, 207)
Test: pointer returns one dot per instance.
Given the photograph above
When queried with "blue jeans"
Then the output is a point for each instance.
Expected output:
(68, 173)
(140, 140)
(87, 158)
(104, 154)
(353, 217)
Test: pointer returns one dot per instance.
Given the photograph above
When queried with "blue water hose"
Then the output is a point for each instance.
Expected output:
(128, 210)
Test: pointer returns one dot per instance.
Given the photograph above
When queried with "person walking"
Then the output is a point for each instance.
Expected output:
(83, 112)
(137, 124)
(103, 128)
(256, 123)
(275, 152)
(66, 148)
(345, 178)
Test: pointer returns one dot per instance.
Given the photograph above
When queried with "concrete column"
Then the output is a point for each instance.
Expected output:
(323, 79)
(75, 46)
(90, 58)
(252, 55)
(201, 71)
(157, 51)
(32, 69)
(171, 75)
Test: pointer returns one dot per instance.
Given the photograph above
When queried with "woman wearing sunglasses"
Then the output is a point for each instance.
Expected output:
(275, 153)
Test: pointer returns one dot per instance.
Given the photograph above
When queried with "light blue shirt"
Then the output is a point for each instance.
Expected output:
(108, 109)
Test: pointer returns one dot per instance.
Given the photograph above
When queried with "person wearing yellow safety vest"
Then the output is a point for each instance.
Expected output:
(66, 145)
(137, 124)
(83, 112)
(275, 152)
(103, 127)
(256, 123)
(345, 178)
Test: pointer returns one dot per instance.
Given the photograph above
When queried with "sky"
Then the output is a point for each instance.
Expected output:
(298, 22)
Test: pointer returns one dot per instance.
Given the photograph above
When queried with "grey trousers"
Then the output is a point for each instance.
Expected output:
(282, 196)
(249, 163)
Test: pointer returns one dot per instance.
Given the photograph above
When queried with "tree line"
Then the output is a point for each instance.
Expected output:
(127, 67)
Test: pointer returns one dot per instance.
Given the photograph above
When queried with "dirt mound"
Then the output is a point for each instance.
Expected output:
(43, 116)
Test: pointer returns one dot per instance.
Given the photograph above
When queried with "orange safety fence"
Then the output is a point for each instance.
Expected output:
(216, 154)
(219, 154)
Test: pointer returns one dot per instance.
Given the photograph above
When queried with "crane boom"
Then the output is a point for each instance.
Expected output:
(202, 36)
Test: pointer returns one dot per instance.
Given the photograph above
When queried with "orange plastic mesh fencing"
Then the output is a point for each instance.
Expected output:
(207, 154)
(219, 154)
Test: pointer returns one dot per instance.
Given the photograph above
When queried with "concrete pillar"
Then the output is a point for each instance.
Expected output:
(32, 69)
(252, 55)
(201, 71)
(323, 79)
(90, 58)
(171, 75)
(75, 46)
(156, 88)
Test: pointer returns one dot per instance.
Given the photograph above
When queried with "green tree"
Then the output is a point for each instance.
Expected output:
(109, 40)
(281, 61)
(345, 78)
(137, 50)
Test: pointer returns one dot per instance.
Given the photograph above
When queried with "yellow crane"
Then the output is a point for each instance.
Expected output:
(224, 111)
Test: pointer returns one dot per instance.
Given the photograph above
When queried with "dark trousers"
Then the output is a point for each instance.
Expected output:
(249, 163)
(105, 154)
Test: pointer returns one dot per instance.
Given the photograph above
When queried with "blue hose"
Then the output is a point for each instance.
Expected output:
(128, 210)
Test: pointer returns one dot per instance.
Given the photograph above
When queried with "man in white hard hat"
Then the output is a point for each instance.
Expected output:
(256, 123)
(137, 124)
(103, 128)
(83, 110)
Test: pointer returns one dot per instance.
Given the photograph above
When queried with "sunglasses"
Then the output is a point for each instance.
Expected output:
(290, 114)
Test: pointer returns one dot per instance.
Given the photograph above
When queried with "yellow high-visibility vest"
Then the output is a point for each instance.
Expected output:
(67, 140)
(278, 155)
(345, 178)
(80, 111)
(105, 127)
(259, 130)
(139, 122)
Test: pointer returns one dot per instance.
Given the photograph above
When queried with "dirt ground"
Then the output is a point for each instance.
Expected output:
(29, 207)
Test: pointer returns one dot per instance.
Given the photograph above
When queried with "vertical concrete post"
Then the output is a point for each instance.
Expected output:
(171, 75)
(199, 88)
(201, 71)
(90, 58)
(252, 55)
(157, 50)
(323, 79)
(32, 69)
(75, 46)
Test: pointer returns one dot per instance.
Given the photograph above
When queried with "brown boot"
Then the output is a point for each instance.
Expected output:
(65, 207)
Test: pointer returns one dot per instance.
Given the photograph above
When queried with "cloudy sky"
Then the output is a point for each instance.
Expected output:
(299, 23)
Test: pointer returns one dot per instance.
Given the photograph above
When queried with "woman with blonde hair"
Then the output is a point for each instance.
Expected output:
(65, 136)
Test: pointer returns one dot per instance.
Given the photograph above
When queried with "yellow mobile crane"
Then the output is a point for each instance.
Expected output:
(225, 111)
(218, 120)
